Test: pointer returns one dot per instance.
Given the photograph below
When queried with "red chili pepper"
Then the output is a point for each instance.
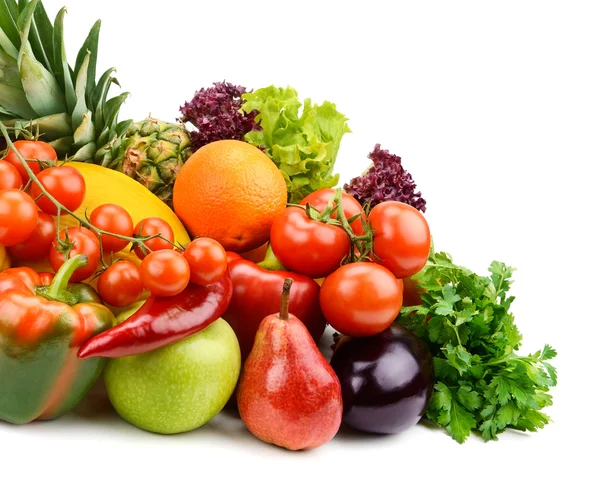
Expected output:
(162, 321)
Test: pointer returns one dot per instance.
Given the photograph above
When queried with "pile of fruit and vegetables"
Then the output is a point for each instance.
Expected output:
(193, 265)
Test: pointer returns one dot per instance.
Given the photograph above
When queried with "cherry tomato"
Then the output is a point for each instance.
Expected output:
(18, 217)
(28, 276)
(65, 184)
(37, 245)
(361, 299)
(401, 240)
(84, 242)
(319, 199)
(33, 150)
(10, 178)
(120, 285)
(207, 260)
(165, 273)
(112, 218)
(150, 227)
(46, 278)
(308, 247)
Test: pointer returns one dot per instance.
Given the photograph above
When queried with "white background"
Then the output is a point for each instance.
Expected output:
(495, 110)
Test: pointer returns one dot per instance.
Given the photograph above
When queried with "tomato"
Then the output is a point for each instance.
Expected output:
(308, 247)
(207, 260)
(33, 150)
(120, 285)
(150, 227)
(84, 242)
(112, 218)
(10, 178)
(361, 299)
(46, 278)
(37, 245)
(28, 276)
(18, 217)
(165, 273)
(401, 239)
(319, 199)
(65, 184)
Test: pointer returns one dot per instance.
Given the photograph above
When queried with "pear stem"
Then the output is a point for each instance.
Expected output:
(285, 300)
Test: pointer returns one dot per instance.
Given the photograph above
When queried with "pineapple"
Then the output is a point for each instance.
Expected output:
(152, 152)
(40, 92)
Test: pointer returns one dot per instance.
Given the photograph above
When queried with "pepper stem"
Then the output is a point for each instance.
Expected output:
(61, 279)
(285, 300)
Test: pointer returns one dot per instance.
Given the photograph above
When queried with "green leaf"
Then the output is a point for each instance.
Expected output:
(547, 353)
(9, 71)
(469, 398)
(40, 37)
(9, 32)
(458, 357)
(14, 101)
(84, 132)
(551, 373)
(506, 415)
(460, 423)
(90, 45)
(80, 90)
(99, 97)
(61, 66)
(41, 89)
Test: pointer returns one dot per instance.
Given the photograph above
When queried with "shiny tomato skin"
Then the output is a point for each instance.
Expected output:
(402, 239)
(46, 278)
(320, 198)
(207, 260)
(63, 183)
(120, 285)
(84, 243)
(37, 245)
(308, 247)
(361, 299)
(33, 150)
(150, 227)
(18, 217)
(165, 273)
(10, 178)
(112, 218)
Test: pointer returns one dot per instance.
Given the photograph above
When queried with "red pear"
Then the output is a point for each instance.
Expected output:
(288, 393)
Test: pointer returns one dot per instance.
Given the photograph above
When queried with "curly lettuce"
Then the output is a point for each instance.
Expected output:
(303, 146)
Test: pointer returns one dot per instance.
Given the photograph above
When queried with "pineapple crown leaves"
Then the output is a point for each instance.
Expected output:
(39, 87)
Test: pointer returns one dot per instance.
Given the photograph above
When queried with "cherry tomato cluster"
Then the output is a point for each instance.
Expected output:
(363, 257)
(28, 228)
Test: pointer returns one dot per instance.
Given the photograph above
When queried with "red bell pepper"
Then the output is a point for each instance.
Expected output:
(257, 293)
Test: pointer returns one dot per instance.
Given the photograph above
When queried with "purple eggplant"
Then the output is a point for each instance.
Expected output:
(387, 380)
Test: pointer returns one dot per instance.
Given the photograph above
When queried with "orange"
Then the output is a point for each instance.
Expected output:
(230, 191)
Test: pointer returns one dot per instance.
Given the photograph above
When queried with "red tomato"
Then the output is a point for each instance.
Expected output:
(165, 273)
(150, 227)
(308, 247)
(319, 199)
(112, 218)
(65, 184)
(401, 238)
(10, 178)
(28, 276)
(361, 299)
(207, 260)
(84, 242)
(18, 217)
(120, 285)
(33, 150)
(37, 245)
(46, 278)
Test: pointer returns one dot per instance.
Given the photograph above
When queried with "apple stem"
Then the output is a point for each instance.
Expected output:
(285, 299)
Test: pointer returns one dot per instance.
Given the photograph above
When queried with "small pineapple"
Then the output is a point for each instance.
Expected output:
(152, 152)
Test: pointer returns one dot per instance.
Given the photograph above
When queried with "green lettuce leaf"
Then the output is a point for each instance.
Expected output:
(303, 146)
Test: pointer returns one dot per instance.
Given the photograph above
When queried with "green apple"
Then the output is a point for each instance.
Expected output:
(180, 387)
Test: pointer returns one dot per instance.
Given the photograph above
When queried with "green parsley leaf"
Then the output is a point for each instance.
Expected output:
(482, 383)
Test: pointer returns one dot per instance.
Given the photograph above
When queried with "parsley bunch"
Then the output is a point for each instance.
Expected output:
(481, 383)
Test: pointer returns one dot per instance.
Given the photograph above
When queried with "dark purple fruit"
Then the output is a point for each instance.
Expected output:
(387, 380)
